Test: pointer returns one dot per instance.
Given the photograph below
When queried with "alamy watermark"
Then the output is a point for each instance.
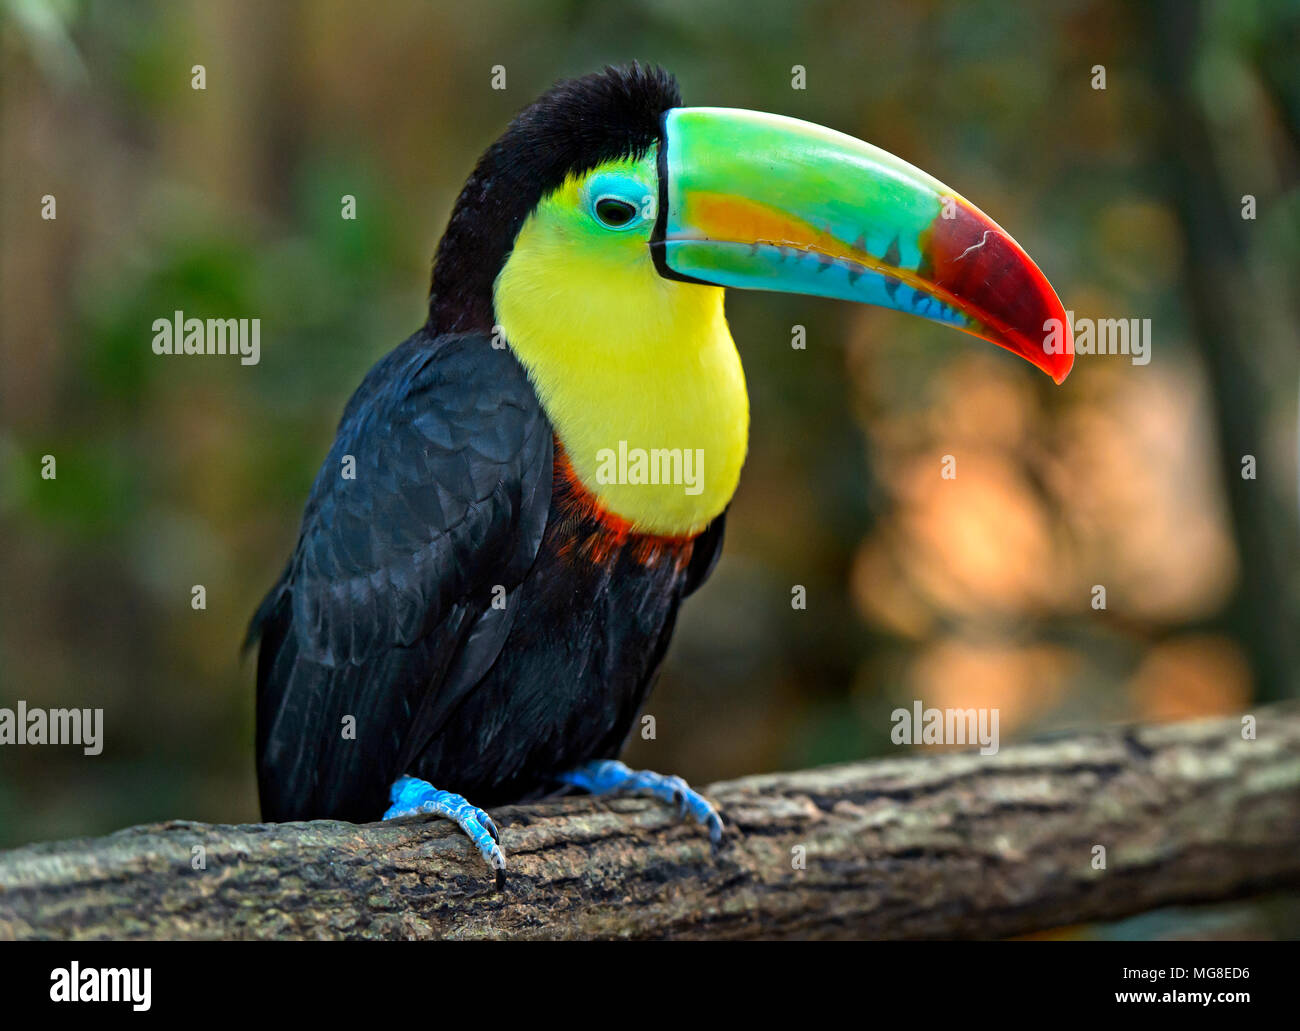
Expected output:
(921, 726)
(24, 726)
(1130, 337)
(179, 335)
(666, 465)
(75, 983)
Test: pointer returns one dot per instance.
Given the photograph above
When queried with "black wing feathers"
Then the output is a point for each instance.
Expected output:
(395, 568)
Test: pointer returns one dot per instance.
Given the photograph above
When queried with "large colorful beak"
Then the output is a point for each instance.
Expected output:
(764, 202)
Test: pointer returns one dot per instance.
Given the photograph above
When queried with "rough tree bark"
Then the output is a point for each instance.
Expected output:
(941, 845)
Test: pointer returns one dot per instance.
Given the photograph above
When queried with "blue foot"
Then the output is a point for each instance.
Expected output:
(608, 776)
(411, 796)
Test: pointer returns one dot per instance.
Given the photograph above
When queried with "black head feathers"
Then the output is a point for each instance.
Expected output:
(573, 127)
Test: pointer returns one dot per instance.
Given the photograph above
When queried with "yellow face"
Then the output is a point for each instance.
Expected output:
(637, 373)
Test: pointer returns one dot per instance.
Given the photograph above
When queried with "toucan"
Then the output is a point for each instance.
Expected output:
(496, 549)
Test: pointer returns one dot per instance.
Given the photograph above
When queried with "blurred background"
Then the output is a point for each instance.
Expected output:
(976, 591)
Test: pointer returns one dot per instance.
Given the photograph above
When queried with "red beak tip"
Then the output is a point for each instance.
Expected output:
(1063, 361)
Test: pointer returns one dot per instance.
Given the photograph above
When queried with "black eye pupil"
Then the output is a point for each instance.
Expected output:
(615, 212)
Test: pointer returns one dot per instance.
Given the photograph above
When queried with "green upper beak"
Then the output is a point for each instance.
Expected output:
(765, 202)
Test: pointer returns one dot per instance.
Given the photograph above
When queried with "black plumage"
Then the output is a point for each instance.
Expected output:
(461, 497)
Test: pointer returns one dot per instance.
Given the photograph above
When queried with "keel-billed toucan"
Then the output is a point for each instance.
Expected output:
(480, 595)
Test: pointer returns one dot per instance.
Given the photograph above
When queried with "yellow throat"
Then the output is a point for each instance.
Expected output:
(638, 374)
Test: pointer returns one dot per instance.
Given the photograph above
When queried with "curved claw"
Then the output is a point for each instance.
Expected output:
(701, 810)
(411, 796)
(607, 776)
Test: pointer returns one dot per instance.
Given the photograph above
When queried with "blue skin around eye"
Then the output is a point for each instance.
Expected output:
(624, 188)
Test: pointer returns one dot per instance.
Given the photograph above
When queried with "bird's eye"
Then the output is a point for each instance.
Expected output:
(614, 212)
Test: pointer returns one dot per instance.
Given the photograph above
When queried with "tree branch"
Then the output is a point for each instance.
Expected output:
(940, 845)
